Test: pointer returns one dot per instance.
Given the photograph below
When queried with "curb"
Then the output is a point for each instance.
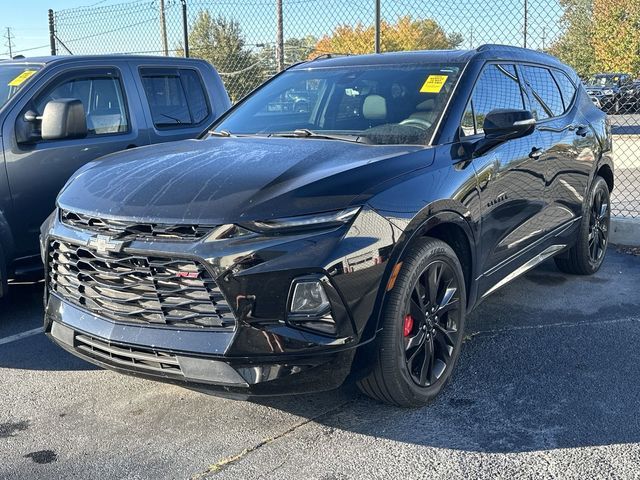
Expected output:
(625, 231)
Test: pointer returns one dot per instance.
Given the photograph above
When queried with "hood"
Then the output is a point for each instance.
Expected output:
(226, 180)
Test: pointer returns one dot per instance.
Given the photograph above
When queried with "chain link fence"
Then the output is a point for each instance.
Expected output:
(250, 40)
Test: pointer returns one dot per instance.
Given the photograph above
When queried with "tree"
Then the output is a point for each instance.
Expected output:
(295, 50)
(405, 34)
(575, 45)
(220, 42)
(616, 35)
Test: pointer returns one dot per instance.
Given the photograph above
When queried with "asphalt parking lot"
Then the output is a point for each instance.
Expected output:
(547, 386)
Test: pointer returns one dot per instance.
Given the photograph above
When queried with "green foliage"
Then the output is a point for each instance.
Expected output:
(600, 36)
(220, 42)
(575, 46)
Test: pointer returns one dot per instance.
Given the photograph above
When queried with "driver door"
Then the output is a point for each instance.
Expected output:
(510, 178)
(37, 169)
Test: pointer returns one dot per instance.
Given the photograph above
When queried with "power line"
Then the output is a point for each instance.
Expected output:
(9, 36)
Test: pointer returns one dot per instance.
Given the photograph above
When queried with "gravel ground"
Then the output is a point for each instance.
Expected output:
(547, 387)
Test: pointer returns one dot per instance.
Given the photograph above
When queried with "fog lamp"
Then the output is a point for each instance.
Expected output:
(309, 298)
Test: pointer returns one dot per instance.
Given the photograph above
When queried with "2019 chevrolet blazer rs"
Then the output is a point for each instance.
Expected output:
(290, 249)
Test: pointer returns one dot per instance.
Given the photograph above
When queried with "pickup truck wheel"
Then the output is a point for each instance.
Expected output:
(587, 255)
(423, 324)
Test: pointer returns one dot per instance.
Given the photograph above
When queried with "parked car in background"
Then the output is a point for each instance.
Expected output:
(631, 97)
(610, 91)
(286, 251)
(58, 113)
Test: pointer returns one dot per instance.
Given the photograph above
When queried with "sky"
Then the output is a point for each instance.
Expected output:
(29, 23)
(137, 29)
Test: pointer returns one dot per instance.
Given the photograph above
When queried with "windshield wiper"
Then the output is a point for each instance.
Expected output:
(306, 133)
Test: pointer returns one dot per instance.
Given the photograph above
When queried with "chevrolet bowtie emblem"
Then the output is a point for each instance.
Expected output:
(104, 244)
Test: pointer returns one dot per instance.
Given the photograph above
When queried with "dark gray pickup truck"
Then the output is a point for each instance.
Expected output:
(58, 113)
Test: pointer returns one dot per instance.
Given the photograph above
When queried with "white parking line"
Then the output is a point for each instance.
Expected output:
(20, 336)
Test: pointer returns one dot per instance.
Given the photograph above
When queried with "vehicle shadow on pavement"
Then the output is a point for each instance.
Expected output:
(21, 311)
(551, 361)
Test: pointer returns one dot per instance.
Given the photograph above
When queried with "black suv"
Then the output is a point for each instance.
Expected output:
(614, 92)
(286, 251)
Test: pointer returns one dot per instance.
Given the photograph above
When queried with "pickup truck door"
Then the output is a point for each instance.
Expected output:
(38, 169)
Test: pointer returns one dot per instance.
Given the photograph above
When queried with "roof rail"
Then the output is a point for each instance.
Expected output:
(324, 56)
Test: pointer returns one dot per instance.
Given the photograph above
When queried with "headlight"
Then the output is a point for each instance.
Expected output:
(304, 222)
(607, 92)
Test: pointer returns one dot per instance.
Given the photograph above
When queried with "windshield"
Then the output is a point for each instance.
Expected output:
(12, 78)
(604, 80)
(383, 104)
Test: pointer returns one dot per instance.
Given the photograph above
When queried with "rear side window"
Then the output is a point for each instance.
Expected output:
(176, 97)
(497, 87)
(567, 88)
(101, 97)
(546, 101)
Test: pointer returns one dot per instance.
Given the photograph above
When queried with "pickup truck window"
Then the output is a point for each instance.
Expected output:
(176, 97)
(13, 78)
(101, 97)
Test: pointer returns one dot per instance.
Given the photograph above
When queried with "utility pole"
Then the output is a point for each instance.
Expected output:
(378, 27)
(9, 43)
(279, 37)
(544, 38)
(526, 21)
(163, 30)
(471, 39)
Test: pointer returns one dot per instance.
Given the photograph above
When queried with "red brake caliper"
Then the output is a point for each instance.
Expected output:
(408, 325)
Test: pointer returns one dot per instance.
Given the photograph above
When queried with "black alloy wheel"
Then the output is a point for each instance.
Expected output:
(422, 327)
(585, 257)
(430, 326)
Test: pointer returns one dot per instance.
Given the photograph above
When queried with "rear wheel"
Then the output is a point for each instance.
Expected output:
(423, 325)
(587, 255)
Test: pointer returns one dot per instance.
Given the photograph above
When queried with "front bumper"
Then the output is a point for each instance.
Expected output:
(262, 354)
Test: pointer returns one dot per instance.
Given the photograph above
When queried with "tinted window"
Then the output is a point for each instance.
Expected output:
(567, 88)
(546, 101)
(101, 97)
(468, 125)
(176, 98)
(497, 87)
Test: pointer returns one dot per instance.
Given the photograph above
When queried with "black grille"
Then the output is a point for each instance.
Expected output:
(127, 357)
(135, 288)
(123, 229)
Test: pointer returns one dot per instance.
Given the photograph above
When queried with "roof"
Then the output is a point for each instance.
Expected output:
(50, 59)
(485, 52)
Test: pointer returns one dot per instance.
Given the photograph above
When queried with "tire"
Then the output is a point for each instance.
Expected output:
(406, 345)
(587, 255)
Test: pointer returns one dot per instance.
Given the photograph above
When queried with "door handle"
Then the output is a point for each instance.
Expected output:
(536, 153)
(582, 131)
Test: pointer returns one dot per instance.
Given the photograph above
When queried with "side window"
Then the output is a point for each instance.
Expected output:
(468, 125)
(546, 101)
(567, 88)
(176, 97)
(102, 98)
(497, 87)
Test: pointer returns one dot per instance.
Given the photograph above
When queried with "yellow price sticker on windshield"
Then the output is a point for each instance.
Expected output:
(433, 84)
(20, 79)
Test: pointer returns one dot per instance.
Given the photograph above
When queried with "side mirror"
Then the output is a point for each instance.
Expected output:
(63, 119)
(503, 124)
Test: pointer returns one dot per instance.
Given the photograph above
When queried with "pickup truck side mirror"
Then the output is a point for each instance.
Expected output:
(501, 125)
(63, 119)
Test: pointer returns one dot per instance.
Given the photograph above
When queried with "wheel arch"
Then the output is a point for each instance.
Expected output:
(450, 225)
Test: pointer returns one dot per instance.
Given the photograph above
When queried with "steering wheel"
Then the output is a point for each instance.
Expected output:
(416, 122)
